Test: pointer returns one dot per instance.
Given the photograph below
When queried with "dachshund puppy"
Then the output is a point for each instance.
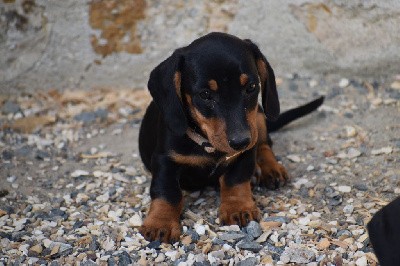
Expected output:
(205, 127)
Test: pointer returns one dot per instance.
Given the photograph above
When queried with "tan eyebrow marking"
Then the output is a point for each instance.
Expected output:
(177, 82)
(243, 79)
(213, 84)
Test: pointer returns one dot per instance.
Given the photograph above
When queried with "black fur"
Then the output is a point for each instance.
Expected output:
(221, 57)
(384, 234)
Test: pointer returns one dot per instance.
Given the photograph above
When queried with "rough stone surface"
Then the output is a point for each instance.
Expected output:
(66, 44)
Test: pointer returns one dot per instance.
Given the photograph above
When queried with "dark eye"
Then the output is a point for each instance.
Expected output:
(205, 95)
(251, 88)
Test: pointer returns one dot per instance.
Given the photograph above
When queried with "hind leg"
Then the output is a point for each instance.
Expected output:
(271, 174)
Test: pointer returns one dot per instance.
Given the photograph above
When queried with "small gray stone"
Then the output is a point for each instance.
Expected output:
(24, 151)
(195, 236)
(64, 250)
(297, 255)
(10, 108)
(248, 262)
(11, 179)
(90, 117)
(89, 263)
(154, 244)
(254, 229)
(361, 187)
(231, 236)
(124, 258)
(251, 246)
(281, 219)
(333, 197)
(7, 155)
(41, 155)
(348, 209)
(343, 232)
(219, 254)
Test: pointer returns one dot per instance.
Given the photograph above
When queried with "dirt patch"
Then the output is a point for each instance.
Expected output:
(116, 21)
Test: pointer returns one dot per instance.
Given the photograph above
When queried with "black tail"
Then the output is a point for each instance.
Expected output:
(293, 114)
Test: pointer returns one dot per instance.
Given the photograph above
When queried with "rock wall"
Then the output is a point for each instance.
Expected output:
(115, 43)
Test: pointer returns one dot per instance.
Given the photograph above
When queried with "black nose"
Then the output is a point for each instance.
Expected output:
(239, 143)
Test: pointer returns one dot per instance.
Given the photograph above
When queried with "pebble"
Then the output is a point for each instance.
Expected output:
(384, 150)
(234, 227)
(135, 220)
(362, 261)
(60, 249)
(343, 83)
(248, 262)
(218, 254)
(353, 153)
(78, 173)
(294, 158)
(350, 131)
(11, 179)
(10, 107)
(200, 229)
(172, 254)
(281, 219)
(254, 229)
(90, 117)
(231, 236)
(36, 249)
(348, 209)
(160, 258)
(247, 245)
(304, 221)
(297, 255)
(361, 186)
(323, 244)
(154, 244)
(344, 189)
(104, 197)
(264, 236)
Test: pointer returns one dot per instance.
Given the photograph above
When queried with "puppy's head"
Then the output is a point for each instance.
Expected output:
(213, 85)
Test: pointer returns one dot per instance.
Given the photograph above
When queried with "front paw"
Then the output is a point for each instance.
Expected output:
(273, 175)
(238, 212)
(162, 222)
(160, 229)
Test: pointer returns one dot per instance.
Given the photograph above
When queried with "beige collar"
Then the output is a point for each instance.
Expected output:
(203, 142)
(200, 140)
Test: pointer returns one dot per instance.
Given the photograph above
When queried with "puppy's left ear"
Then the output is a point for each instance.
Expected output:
(269, 94)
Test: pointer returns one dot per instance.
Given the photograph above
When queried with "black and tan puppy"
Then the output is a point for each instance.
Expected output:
(205, 127)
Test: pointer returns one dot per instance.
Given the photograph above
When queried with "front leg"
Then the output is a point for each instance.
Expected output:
(237, 203)
(271, 173)
(162, 221)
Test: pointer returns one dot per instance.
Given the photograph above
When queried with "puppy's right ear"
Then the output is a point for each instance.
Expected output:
(165, 88)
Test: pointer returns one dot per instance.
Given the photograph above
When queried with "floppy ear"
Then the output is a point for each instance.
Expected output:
(269, 95)
(165, 88)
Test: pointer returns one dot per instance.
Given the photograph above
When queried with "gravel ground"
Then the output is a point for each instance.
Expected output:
(73, 189)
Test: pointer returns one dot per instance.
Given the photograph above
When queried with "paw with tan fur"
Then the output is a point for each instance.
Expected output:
(162, 222)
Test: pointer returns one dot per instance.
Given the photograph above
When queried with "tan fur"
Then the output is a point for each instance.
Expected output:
(213, 84)
(162, 221)
(177, 82)
(262, 128)
(253, 124)
(192, 160)
(262, 71)
(237, 203)
(213, 128)
(243, 79)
